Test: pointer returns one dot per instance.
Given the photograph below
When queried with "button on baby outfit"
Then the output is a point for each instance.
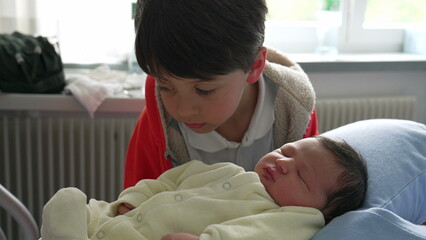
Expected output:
(178, 197)
(100, 235)
(227, 185)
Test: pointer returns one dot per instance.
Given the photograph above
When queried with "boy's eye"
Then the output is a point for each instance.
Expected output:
(164, 88)
(205, 92)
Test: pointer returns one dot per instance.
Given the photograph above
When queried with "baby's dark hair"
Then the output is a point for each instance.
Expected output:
(352, 181)
(198, 38)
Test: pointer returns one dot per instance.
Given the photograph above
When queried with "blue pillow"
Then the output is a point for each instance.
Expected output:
(395, 154)
(371, 224)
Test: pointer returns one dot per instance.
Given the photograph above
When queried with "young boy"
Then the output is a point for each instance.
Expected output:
(290, 194)
(214, 92)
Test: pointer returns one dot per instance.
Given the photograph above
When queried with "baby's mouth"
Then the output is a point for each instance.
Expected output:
(268, 173)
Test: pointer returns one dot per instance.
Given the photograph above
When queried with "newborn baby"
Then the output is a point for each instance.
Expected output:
(292, 192)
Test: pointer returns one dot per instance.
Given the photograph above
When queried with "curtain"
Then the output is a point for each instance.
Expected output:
(18, 15)
(88, 31)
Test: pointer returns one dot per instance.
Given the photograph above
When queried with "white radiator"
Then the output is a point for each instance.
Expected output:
(41, 155)
(336, 112)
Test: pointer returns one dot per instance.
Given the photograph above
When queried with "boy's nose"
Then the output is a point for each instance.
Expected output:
(186, 107)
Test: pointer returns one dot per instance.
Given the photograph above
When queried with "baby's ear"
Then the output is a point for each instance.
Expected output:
(326, 213)
(327, 218)
(259, 64)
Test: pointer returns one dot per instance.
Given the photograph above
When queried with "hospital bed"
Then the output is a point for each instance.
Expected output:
(395, 204)
(20, 213)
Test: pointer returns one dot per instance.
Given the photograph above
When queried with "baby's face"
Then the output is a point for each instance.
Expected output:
(301, 173)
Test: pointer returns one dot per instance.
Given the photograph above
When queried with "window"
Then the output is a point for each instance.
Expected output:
(93, 31)
(88, 31)
(391, 14)
(295, 28)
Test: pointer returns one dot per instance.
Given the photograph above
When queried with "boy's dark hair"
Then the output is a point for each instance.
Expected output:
(352, 181)
(198, 38)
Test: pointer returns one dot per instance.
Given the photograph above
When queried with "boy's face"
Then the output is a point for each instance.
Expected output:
(302, 173)
(203, 106)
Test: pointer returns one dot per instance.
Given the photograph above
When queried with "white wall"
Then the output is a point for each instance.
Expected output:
(373, 83)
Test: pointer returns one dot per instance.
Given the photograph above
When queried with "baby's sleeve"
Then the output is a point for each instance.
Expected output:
(65, 216)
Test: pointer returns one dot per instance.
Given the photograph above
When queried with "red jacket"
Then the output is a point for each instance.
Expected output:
(146, 152)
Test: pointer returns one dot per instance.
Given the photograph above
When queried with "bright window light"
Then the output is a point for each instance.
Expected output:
(290, 10)
(90, 31)
(102, 31)
(395, 13)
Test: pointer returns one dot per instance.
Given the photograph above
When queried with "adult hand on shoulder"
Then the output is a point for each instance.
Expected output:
(180, 236)
(124, 208)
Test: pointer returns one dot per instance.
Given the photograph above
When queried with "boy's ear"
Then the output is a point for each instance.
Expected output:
(258, 66)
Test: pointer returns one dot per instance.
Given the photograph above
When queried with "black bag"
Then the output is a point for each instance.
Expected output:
(29, 65)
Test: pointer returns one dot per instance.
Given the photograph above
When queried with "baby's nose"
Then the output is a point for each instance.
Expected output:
(284, 165)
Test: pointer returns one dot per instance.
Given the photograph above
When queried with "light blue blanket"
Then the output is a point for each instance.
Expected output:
(395, 205)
